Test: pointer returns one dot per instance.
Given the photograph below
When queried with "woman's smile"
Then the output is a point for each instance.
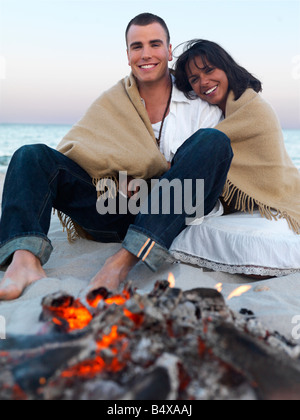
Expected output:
(211, 91)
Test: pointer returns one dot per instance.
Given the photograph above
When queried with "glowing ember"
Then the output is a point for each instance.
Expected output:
(90, 368)
(110, 339)
(138, 319)
(95, 296)
(239, 291)
(118, 299)
(171, 280)
(71, 314)
(219, 287)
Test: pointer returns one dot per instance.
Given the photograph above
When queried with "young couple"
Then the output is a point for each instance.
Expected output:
(151, 125)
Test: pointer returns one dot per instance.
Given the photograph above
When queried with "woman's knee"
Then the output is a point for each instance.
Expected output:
(213, 139)
(207, 142)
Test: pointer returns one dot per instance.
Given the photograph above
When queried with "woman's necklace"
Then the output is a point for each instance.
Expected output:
(165, 114)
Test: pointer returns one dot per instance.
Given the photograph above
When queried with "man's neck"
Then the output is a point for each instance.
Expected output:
(154, 92)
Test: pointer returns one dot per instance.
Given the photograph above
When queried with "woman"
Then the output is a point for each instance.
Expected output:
(262, 174)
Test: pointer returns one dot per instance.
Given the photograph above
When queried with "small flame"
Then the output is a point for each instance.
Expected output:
(239, 291)
(171, 280)
(219, 287)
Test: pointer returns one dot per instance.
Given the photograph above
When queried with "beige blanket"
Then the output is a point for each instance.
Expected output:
(261, 173)
(115, 135)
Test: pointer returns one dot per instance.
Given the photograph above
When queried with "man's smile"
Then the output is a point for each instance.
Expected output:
(148, 66)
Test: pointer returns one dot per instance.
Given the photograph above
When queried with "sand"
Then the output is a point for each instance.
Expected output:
(71, 267)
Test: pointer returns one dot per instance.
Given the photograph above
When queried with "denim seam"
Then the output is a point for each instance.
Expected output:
(74, 174)
(46, 199)
(44, 205)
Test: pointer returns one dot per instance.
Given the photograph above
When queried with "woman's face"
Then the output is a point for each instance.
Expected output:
(208, 82)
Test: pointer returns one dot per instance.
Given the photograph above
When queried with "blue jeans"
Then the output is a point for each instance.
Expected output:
(40, 178)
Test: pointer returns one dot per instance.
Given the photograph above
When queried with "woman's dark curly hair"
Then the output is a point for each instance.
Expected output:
(213, 54)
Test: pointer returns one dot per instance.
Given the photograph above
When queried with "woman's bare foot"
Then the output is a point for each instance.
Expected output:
(24, 270)
(115, 270)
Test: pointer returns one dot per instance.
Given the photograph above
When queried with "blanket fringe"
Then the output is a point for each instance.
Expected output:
(246, 204)
(68, 226)
(108, 185)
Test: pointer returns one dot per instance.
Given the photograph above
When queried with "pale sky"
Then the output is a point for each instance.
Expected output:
(58, 56)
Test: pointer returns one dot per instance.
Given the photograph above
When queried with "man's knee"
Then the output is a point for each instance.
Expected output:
(31, 154)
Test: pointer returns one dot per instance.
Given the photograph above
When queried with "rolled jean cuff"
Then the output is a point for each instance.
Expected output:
(146, 249)
(39, 246)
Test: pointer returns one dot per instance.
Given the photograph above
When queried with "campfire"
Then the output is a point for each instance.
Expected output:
(165, 345)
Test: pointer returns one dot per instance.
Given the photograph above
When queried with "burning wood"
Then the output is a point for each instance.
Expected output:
(90, 368)
(168, 344)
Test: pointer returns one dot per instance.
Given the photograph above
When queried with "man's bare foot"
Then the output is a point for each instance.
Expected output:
(24, 270)
(115, 270)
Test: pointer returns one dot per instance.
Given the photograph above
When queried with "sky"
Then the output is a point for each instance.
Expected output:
(58, 56)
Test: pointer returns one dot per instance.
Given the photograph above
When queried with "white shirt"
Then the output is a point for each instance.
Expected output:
(186, 117)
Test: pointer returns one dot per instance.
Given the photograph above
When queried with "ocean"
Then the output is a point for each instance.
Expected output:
(13, 136)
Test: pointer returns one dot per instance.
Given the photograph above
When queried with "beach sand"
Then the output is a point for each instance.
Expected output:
(71, 267)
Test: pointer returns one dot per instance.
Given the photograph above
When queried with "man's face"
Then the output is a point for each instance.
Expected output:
(148, 52)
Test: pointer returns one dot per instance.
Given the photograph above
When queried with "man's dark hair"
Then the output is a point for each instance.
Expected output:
(213, 54)
(146, 19)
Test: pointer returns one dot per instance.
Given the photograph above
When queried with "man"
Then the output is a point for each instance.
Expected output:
(117, 133)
